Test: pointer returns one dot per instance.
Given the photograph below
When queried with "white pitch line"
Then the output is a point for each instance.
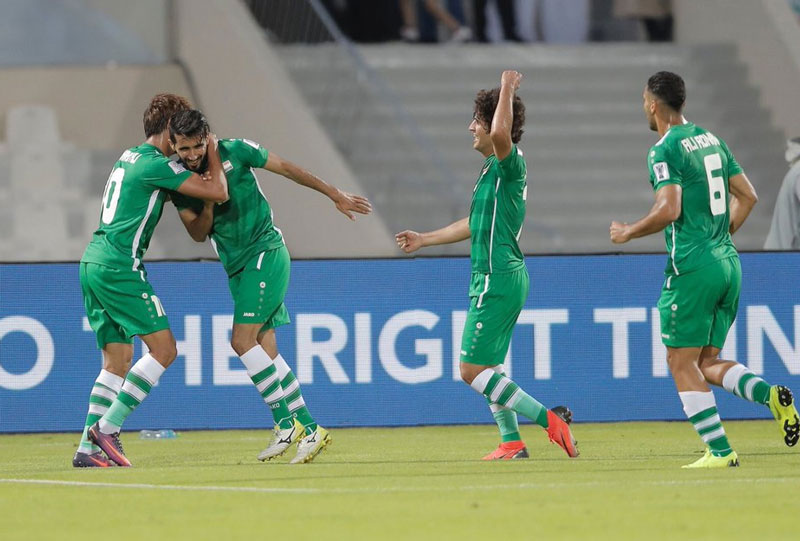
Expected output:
(374, 490)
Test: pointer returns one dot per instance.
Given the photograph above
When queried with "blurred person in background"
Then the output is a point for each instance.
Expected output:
(784, 233)
(505, 9)
(410, 30)
(119, 301)
(254, 255)
(656, 16)
(499, 282)
(702, 197)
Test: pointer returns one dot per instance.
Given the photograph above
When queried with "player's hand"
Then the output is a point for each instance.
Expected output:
(511, 77)
(347, 204)
(409, 241)
(619, 232)
(213, 141)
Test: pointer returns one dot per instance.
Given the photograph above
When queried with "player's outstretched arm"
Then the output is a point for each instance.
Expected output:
(411, 241)
(198, 225)
(743, 199)
(212, 186)
(345, 203)
(503, 119)
(665, 210)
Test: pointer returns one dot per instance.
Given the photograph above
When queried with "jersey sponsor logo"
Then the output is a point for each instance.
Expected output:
(661, 170)
(663, 335)
(249, 314)
(252, 143)
(176, 168)
(227, 166)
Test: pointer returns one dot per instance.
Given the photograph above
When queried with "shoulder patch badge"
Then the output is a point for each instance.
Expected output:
(661, 171)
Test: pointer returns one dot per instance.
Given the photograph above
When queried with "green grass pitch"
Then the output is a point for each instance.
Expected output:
(406, 483)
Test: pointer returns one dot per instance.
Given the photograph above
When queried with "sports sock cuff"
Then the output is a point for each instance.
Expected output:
(732, 377)
(281, 365)
(149, 368)
(112, 381)
(481, 380)
(494, 407)
(696, 401)
(255, 360)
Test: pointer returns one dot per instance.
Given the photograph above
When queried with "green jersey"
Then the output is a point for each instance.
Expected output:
(132, 204)
(497, 213)
(701, 164)
(242, 226)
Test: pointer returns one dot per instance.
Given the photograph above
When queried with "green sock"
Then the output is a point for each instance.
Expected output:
(506, 420)
(742, 382)
(709, 426)
(294, 398)
(701, 409)
(503, 391)
(105, 390)
(269, 386)
(138, 383)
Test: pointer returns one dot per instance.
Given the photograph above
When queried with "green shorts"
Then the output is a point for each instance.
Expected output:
(495, 303)
(258, 289)
(698, 308)
(120, 304)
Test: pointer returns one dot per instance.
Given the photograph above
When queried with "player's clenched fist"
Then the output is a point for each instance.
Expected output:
(409, 241)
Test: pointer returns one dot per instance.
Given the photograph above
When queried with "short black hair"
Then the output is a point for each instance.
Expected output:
(190, 123)
(669, 88)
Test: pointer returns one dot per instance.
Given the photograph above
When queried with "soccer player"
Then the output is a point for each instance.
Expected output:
(119, 301)
(499, 283)
(702, 196)
(255, 257)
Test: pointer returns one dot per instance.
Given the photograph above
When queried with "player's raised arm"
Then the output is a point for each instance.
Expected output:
(212, 186)
(345, 203)
(411, 241)
(504, 114)
(743, 199)
(664, 211)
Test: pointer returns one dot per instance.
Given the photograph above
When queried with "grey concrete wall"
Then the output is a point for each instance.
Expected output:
(245, 92)
(759, 29)
(97, 107)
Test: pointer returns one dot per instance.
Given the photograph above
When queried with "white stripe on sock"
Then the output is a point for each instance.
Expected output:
(748, 388)
(255, 360)
(112, 381)
(134, 391)
(718, 433)
(296, 404)
(481, 380)
(730, 381)
(263, 385)
(499, 388)
(696, 401)
(705, 423)
(103, 392)
(148, 368)
(97, 409)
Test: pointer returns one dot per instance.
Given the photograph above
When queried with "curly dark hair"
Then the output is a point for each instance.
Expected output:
(189, 123)
(485, 105)
(161, 108)
(669, 88)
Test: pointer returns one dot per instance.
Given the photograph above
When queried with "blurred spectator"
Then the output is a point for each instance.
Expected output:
(410, 29)
(505, 9)
(784, 234)
(553, 21)
(656, 15)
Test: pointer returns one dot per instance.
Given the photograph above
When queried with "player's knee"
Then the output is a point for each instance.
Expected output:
(165, 353)
(241, 344)
(467, 374)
